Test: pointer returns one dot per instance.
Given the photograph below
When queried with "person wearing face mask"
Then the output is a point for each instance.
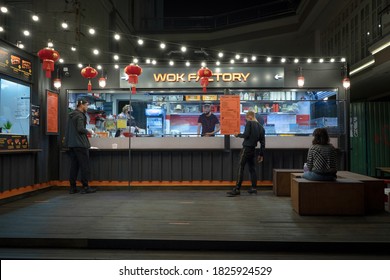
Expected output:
(76, 140)
(208, 122)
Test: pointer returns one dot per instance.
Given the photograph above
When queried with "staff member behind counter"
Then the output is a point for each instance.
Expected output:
(126, 114)
(208, 122)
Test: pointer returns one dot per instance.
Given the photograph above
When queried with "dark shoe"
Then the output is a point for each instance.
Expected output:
(73, 190)
(88, 190)
(234, 192)
(252, 191)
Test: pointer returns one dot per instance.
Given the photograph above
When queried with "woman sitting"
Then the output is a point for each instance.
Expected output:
(321, 159)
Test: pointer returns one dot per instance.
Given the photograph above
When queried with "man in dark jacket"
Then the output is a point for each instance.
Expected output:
(254, 132)
(77, 141)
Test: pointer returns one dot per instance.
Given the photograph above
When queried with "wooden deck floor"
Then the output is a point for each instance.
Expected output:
(184, 220)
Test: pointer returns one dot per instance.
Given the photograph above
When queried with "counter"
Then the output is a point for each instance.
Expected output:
(182, 159)
(200, 143)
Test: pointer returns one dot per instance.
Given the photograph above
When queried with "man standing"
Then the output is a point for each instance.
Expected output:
(77, 141)
(208, 121)
(254, 132)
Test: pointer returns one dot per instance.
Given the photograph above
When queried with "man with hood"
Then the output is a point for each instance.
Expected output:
(77, 141)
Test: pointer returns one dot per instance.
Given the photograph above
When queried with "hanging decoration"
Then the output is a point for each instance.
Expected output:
(133, 71)
(204, 74)
(48, 56)
(89, 73)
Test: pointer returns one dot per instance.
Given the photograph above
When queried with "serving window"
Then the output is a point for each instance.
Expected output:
(165, 114)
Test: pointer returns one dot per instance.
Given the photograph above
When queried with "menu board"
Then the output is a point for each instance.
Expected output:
(15, 65)
(51, 112)
(230, 114)
(13, 142)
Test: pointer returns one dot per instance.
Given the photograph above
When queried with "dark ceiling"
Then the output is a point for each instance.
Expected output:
(174, 8)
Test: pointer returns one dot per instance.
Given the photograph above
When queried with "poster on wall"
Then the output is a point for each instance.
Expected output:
(230, 114)
(35, 115)
(52, 113)
(15, 65)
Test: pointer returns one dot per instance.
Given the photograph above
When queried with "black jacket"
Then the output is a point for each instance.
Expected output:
(76, 132)
(253, 133)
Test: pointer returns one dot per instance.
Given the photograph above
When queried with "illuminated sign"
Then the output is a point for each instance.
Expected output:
(193, 77)
(223, 77)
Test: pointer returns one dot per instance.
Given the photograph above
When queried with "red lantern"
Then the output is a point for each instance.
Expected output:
(133, 71)
(89, 73)
(204, 74)
(48, 56)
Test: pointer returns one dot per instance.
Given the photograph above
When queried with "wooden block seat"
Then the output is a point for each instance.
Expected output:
(340, 197)
(373, 190)
(281, 181)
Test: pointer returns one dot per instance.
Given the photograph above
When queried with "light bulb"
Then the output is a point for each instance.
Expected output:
(57, 83)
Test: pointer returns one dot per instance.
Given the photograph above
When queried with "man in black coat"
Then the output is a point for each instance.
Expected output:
(253, 133)
(76, 140)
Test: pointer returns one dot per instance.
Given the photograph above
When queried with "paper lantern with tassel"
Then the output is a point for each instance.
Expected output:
(48, 56)
(204, 74)
(89, 73)
(133, 71)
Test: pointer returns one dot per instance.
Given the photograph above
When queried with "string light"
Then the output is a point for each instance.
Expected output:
(212, 58)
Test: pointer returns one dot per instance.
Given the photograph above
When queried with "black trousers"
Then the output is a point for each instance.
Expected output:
(247, 156)
(79, 160)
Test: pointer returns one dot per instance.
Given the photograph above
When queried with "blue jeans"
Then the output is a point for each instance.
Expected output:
(312, 176)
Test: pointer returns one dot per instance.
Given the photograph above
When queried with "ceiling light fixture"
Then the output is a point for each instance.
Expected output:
(117, 36)
(183, 48)
(57, 83)
(162, 45)
(171, 63)
(269, 59)
(35, 17)
(296, 60)
(188, 63)
(92, 31)
(73, 48)
(301, 78)
(4, 9)
(95, 51)
(140, 42)
(64, 25)
(26, 33)
(20, 45)
(254, 58)
(220, 54)
(1, 29)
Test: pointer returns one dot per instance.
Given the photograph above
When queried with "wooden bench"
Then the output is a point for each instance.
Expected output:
(281, 181)
(373, 190)
(340, 197)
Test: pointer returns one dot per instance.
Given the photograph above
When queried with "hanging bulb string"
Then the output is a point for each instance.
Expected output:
(132, 38)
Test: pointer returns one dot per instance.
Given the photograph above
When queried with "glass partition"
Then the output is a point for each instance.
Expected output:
(14, 115)
(173, 114)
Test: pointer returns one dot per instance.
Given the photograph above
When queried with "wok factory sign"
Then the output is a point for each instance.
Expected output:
(229, 77)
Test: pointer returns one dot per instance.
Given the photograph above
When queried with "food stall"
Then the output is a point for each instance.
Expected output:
(177, 154)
